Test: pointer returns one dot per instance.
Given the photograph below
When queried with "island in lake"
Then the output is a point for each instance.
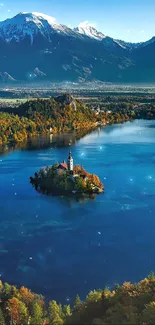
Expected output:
(65, 178)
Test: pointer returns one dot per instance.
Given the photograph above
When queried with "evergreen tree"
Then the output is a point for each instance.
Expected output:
(6, 291)
(2, 319)
(77, 303)
(55, 313)
(37, 314)
(67, 310)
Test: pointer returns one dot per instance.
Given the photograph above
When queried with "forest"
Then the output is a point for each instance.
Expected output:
(130, 303)
(66, 114)
(54, 115)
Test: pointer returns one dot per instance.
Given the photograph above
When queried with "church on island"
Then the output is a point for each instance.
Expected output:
(66, 178)
(67, 166)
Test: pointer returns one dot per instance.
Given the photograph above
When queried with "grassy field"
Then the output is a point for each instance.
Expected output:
(13, 101)
(6, 104)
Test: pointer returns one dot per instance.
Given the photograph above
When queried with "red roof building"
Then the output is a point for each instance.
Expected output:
(63, 166)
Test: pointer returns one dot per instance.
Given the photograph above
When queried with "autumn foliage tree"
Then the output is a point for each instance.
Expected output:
(124, 305)
(18, 311)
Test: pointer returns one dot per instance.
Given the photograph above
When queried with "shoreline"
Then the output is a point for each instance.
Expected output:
(41, 136)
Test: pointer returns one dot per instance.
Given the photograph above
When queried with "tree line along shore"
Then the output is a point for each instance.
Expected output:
(19, 123)
(126, 304)
(54, 115)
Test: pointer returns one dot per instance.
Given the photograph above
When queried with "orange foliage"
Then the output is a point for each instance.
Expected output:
(26, 295)
(77, 169)
(16, 312)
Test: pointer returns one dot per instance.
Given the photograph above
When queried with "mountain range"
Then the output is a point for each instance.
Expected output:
(33, 47)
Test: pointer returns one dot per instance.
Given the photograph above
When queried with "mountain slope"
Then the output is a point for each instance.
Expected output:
(60, 54)
(5, 77)
(88, 30)
(31, 41)
(31, 24)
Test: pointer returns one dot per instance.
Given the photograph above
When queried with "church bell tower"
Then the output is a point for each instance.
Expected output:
(70, 162)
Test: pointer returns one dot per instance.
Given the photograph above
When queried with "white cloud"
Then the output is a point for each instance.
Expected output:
(142, 31)
(9, 10)
(1, 4)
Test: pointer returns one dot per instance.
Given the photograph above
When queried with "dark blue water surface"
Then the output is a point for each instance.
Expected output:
(60, 247)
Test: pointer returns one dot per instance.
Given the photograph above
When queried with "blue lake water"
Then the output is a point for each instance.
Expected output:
(60, 247)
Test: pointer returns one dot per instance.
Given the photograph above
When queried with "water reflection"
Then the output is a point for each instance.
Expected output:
(45, 142)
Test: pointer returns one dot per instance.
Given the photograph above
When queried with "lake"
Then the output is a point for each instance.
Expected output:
(60, 247)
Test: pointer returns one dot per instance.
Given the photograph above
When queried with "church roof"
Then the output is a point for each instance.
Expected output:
(63, 165)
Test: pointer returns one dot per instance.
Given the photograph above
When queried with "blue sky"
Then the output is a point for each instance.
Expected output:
(128, 20)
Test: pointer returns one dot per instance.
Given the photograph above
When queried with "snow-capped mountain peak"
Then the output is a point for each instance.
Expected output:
(30, 24)
(51, 20)
(89, 30)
